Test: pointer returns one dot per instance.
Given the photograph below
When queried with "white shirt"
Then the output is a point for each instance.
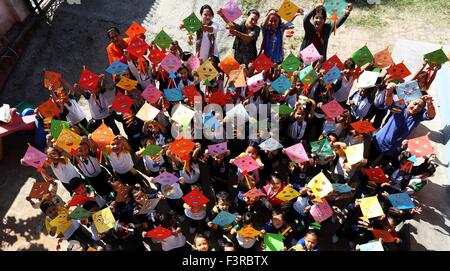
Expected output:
(68, 233)
(152, 165)
(342, 94)
(182, 85)
(90, 167)
(193, 176)
(173, 241)
(175, 193)
(121, 163)
(196, 216)
(205, 44)
(143, 79)
(65, 172)
(99, 107)
(291, 100)
(245, 242)
(300, 205)
(361, 106)
(75, 114)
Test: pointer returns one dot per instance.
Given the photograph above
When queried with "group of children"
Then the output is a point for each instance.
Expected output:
(142, 188)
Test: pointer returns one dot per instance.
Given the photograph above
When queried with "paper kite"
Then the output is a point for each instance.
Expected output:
(89, 80)
(362, 56)
(342, 187)
(217, 149)
(39, 189)
(135, 29)
(103, 220)
(68, 140)
(182, 147)
(401, 201)
(332, 109)
(370, 207)
(49, 109)
(192, 23)
(78, 200)
(173, 94)
(288, 10)
(156, 56)
(151, 94)
(310, 54)
(420, 146)
(34, 157)
(283, 109)
(248, 232)
(80, 213)
(163, 40)
(320, 185)
(281, 84)
(384, 235)
(56, 126)
(296, 153)
(224, 219)
(332, 75)
(367, 79)
(171, 64)
(363, 127)
(409, 91)
(383, 58)
(308, 75)
(117, 67)
(231, 10)
(435, 58)
(335, 9)
(102, 136)
(321, 211)
(152, 150)
(61, 222)
(166, 178)
(206, 71)
(238, 111)
(238, 77)
(376, 175)
(262, 63)
(137, 47)
(270, 145)
(321, 148)
(183, 115)
(52, 80)
(147, 112)
(122, 103)
(127, 84)
(229, 64)
(219, 98)
(287, 194)
(149, 204)
(190, 92)
(195, 198)
(253, 194)
(256, 82)
(159, 233)
(331, 62)
(354, 153)
(291, 63)
(273, 242)
(193, 62)
(398, 71)
(246, 163)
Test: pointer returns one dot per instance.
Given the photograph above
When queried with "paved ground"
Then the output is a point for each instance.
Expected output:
(58, 48)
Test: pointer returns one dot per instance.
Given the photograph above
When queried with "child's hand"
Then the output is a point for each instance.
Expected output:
(307, 209)
(210, 224)
(348, 8)
(177, 230)
(181, 180)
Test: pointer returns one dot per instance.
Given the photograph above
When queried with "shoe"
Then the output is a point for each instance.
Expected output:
(192, 230)
(334, 239)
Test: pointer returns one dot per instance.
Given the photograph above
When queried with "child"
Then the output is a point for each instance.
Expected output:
(253, 153)
(201, 243)
(272, 189)
(344, 84)
(205, 43)
(61, 167)
(310, 242)
(51, 196)
(183, 80)
(247, 244)
(196, 215)
(175, 242)
(296, 130)
(144, 72)
(152, 163)
(222, 204)
(80, 188)
(173, 194)
(360, 103)
(279, 225)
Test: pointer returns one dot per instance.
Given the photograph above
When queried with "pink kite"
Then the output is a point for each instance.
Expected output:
(256, 82)
(193, 62)
(217, 149)
(246, 163)
(166, 178)
(297, 153)
(34, 157)
(321, 211)
(310, 54)
(151, 94)
(231, 10)
(170, 63)
(332, 109)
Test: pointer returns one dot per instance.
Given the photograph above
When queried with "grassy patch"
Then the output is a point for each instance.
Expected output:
(248, 4)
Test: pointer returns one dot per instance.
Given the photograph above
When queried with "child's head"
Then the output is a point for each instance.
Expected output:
(167, 220)
(78, 186)
(207, 14)
(274, 19)
(275, 181)
(139, 196)
(311, 239)
(251, 151)
(49, 208)
(278, 218)
(201, 242)
(91, 206)
(228, 246)
(422, 80)
(319, 18)
(252, 18)
(119, 144)
(415, 107)
(53, 153)
(332, 137)
(349, 64)
(223, 201)
(83, 149)
(173, 48)
(248, 218)
(299, 114)
(183, 72)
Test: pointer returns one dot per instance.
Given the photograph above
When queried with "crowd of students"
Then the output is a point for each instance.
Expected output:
(118, 183)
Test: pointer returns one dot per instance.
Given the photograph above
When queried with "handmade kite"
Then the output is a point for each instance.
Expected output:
(229, 64)
(409, 91)
(288, 10)
(332, 75)
(354, 153)
(291, 63)
(117, 67)
(152, 150)
(368, 79)
(163, 40)
(49, 109)
(332, 109)
(253, 194)
(256, 82)
(376, 175)
(238, 111)
(122, 103)
(149, 204)
(270, 144)
(135, 29)
(151, 94)
(192, 24)
(80, 213)
(166, 178)
(190, 92)
(68, 141)
(296, 153)
(39, 190)
(342, 187)
(281, 84)
(288, 194)
(262, 63)
(171, 64)
(34, 157)
(363, 127)
(183, 115)
(56, 126)
(156, 56)
(308, 75)
(217, 149)
(182, 147)
(335, 9)
(103, 136)
(273, 242)
(61, 222)
(173, 94)
(371, 246)
(332, 62)
(401, 201)
(147, 112)
(386, 236)
(159, 233)
(383, 58)
(321, 211)
(238, 77)
(193, 62)
(137, 47)
(224, 219)
(219, 98)
(398, 71)
(77, 200)
(283, 109)
(195, 198)
(248, 232)
(103, 220)
(89, 80)
(127, 84)
(420, 146)
(320, 185)
(370, 207)
(435, 58)
(207, 72)
(362, 56)
(231, 10)
(310, 54)
(321, 148)
(246, 164)
(52, 80)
